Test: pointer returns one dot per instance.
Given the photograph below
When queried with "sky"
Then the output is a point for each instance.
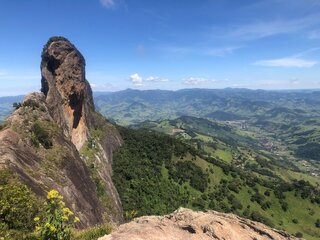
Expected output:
(166, 44)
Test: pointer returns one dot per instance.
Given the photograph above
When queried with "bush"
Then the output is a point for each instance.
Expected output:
(317, 224)
(16, 105)
(41, 136)
(256, 216)
(29, 103)
(299, 235)
(18, 205)
(58, 219)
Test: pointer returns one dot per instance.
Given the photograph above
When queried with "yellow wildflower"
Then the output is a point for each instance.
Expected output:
(36, 219)
(47, 224)
(65, 218)
(76, 219)
(67, 211)
(52, 228)
(53, 194)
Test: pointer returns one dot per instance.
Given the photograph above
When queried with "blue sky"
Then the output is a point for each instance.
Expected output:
(167, 44)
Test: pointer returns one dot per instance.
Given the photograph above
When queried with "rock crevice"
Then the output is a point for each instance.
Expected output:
(68, 93)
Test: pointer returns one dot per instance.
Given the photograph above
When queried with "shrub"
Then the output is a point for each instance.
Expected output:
(299, 235)
(256, 216)
(16, 105)
(41, 136)
(129, 215)
(18, 205)
(58, 219)
(317, 224)
(30, 103)
(284, 205)
(295, 221)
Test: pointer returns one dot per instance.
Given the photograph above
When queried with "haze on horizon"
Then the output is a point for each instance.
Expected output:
(140, 44)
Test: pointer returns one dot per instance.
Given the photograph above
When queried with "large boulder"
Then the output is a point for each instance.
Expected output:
(190, 225)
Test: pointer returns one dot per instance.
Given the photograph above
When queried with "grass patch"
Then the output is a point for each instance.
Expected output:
(93, 233)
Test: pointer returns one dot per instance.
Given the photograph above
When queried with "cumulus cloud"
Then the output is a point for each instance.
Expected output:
(194, 81)
(286, 62)
(136, 79)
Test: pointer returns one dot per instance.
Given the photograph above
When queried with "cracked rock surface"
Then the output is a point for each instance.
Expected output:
(190, 225)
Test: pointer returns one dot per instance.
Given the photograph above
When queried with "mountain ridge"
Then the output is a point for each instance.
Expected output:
(47, 140)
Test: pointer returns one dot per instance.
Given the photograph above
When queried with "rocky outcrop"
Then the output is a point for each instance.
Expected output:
(189, 225)
(56, 140)
(68, 93)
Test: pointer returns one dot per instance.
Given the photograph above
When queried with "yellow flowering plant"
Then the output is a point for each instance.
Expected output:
(58, 219)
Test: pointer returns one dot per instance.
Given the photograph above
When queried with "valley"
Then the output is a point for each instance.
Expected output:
(253, 153)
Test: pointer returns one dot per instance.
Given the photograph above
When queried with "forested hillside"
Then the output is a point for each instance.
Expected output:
(155, 173)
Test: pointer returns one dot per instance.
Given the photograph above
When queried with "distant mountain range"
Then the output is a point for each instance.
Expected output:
(134, 106)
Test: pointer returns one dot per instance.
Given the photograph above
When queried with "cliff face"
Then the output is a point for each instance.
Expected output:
(189, 225)
(68, 93)
(56, 140)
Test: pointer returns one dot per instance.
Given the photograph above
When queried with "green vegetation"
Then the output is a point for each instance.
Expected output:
(92, 233)
(40, 135)
(309, 151)
(156, 173)
(57, 220)
(18, 207)
(90, 153)
(138, 173)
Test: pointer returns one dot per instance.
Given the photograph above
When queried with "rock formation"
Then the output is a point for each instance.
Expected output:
(56, 140)
(189, 225)
(68, 93)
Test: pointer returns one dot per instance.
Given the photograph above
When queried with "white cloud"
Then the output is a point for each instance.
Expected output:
(286, 62)
(108, 3)
(194, 81)
(136, 79)
(294, 81)
(97, 87)
(214, 52)
(256, 30)
(156, 79)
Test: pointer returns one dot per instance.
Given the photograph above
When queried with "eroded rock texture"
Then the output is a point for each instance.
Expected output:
(56, 140)
(68, 93)
(190, 225)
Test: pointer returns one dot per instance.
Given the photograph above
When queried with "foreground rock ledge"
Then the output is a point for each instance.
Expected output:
(185, 224)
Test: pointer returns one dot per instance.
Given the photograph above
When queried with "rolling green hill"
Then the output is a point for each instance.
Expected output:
(285, 123)
(156, 173)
